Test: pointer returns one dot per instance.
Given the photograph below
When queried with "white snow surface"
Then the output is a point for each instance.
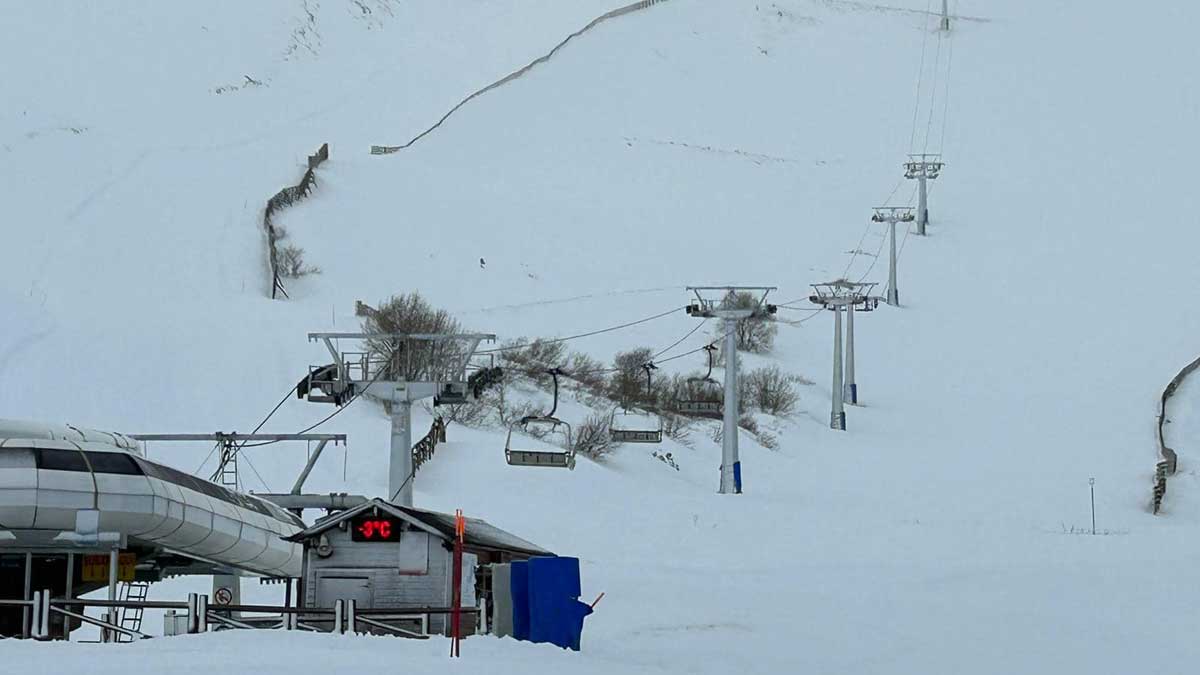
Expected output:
(740, 141)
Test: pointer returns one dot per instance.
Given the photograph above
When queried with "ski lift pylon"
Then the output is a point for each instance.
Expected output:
(551, 425)
(625, 434)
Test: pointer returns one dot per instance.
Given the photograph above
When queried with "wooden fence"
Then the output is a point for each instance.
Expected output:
(424, 449)
(620, 11)
(1168, 461)
(286, 197)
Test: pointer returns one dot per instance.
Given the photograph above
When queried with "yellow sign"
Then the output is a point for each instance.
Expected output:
(95, 567)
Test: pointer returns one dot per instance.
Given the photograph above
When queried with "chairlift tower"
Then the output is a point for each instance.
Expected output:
(923, 167)
(850, 295)
(892, 215)
(722, 302)
(419, 366)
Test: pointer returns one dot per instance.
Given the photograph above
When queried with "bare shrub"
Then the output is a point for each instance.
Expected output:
(414, 361)
(756, 337)
(534, 359)
(588, 372)
(290, 263)
(592, 438)
(767, 440)
(628, 384)
(771, 390)
(677, 428)
(509, 412)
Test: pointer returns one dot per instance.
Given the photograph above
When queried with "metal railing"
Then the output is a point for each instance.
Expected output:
(202, 617)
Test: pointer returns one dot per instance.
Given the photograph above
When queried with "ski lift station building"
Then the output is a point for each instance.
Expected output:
(385, 556)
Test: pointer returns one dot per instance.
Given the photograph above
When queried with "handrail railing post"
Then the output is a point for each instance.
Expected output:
(202, 614)
(193, 603)
(352, 616)
(45, 628)
(339, 625)
(36, 623)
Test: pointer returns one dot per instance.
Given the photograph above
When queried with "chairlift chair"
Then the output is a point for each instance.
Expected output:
(704, 405)
(623, 433)
(561, 459)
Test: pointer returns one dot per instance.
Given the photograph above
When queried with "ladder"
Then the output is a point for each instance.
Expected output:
(131, 617)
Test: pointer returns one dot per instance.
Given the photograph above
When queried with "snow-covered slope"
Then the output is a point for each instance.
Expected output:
(694, 142)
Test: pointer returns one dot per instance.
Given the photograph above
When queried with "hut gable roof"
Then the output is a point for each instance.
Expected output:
(479, 535)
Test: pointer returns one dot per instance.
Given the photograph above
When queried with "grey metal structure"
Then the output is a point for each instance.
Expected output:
(419, 366)
(892, 215)
(836, 296)
(231, 444)
(923, 167)
(945, 24)
(67, 493)
(722, 302)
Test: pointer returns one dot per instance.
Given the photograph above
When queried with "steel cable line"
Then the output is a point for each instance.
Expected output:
(912, 137)
(580, 335)
(946, 93)
(333, 414)
(933, 93)
(256, 473)
(675, 344)
(260, 426)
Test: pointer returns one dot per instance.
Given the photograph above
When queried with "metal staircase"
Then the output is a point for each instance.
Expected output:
(131, 617)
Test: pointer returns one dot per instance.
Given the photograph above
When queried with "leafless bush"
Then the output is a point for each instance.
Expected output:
(756, 337)
(509, 412)
(291, 263)
(588, 372)
(592, 438)
(768, 440)
(628, 384)
(533, 359)
(412, 360)
(771, 390)
(677, 428)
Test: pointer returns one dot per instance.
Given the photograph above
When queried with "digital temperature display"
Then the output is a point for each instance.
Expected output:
(374, 528)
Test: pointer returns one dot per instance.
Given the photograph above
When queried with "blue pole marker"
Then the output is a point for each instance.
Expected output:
(737, 477)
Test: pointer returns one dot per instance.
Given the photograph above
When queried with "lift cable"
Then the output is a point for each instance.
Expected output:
(260, 426)
(580, 335)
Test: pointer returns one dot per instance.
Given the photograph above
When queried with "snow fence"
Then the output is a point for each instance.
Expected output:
(286, 197)
(620, 11)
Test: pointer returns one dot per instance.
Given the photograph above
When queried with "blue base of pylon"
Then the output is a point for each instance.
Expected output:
(852, 394)
(737, 478)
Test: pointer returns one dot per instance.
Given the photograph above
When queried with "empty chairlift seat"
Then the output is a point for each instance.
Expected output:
(535, 436)
(546, 439)
(634, 427)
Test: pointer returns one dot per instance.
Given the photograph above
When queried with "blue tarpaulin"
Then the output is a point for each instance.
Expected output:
(545, 601)
(555, 612)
